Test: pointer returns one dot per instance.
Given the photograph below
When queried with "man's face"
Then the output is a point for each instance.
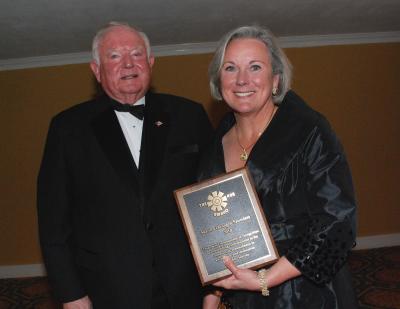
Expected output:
(124, 70)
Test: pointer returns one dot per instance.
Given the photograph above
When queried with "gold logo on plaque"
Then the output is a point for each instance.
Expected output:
(217, 202)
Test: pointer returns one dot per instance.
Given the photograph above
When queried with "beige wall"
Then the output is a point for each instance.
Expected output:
(356, 87)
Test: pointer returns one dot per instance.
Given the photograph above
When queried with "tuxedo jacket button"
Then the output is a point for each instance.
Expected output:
(149, 226)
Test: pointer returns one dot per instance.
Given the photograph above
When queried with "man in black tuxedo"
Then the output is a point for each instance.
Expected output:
(110, 232)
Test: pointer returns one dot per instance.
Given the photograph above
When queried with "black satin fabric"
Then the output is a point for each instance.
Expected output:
(304, 184)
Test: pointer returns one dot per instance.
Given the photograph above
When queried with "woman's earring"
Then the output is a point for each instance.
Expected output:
(274, 91)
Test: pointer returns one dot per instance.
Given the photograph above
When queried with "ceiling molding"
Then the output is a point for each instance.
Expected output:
(207, 47)
(340, 39)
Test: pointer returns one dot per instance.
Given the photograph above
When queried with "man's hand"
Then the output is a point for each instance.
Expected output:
(211, 301)
(82, 303)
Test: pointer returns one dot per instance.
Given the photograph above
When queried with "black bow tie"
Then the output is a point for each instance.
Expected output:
(135, 110)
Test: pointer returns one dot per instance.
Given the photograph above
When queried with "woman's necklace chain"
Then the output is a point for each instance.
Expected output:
(244, 155)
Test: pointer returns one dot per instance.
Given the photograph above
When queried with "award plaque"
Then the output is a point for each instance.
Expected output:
(222, 216)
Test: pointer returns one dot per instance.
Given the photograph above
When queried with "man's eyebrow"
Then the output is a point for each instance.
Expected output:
(119, 49)
(110, 50)
(140, 48)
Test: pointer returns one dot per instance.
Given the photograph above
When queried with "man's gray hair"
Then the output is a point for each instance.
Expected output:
(103, 31)
(279, 62)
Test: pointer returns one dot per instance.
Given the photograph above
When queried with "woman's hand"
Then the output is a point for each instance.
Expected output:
(247, 279)
(241, 278)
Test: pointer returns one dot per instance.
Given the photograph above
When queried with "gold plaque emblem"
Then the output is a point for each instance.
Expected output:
(217, 202)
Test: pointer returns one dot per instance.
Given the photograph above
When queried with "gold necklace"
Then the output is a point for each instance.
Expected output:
(244, 155)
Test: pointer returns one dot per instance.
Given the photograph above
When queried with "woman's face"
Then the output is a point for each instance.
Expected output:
(246, 76)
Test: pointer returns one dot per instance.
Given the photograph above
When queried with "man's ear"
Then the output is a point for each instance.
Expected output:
(151, 61)
(96, 70)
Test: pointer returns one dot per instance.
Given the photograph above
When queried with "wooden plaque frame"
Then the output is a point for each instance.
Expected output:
(222, 216)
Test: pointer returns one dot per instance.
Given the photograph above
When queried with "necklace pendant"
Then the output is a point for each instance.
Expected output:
(244, 156)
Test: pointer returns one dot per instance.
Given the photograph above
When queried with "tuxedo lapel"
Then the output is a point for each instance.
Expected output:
(154, 140)
(112, 141)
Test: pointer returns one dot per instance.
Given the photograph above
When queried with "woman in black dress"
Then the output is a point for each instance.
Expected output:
(300, 173)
